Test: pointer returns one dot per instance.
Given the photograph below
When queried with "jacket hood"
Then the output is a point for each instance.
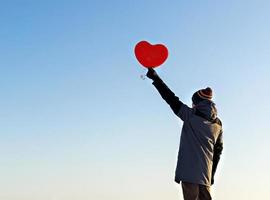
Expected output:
(208, 108)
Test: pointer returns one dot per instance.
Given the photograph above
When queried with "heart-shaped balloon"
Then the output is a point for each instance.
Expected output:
(149, 55)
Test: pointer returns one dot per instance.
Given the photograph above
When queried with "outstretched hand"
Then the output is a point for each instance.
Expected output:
(152, 74)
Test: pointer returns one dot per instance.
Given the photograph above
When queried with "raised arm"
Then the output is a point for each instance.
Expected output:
(164, 91)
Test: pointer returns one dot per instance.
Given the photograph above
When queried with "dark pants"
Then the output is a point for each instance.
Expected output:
(195, 191)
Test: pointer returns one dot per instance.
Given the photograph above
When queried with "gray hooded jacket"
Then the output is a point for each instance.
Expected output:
(201, 140)
(198, 139)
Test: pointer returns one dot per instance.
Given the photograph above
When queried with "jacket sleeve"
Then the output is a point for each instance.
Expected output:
(218, 148)
(180, 109)
(168, 95)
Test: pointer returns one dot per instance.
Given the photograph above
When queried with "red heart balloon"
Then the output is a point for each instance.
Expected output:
(149, 55)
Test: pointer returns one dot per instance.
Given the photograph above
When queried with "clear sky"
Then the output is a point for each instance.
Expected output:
(78, 122)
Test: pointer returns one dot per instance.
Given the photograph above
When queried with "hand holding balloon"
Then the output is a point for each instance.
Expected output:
(152, 74)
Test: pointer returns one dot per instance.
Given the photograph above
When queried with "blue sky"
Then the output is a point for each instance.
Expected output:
(78, 122)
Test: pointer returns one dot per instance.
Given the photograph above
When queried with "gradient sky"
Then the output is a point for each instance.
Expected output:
(78, 122)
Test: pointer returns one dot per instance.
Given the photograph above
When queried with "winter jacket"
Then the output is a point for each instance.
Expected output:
(201, 141)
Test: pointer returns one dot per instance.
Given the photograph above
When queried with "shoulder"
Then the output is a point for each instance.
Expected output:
(185, 112)
(218, 121)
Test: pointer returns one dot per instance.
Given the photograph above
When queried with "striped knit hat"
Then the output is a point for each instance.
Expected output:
(201, 95)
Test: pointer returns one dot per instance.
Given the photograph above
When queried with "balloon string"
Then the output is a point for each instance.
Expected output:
(142, 76)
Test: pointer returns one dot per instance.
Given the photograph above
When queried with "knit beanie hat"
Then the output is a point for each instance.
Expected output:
(201, 95)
